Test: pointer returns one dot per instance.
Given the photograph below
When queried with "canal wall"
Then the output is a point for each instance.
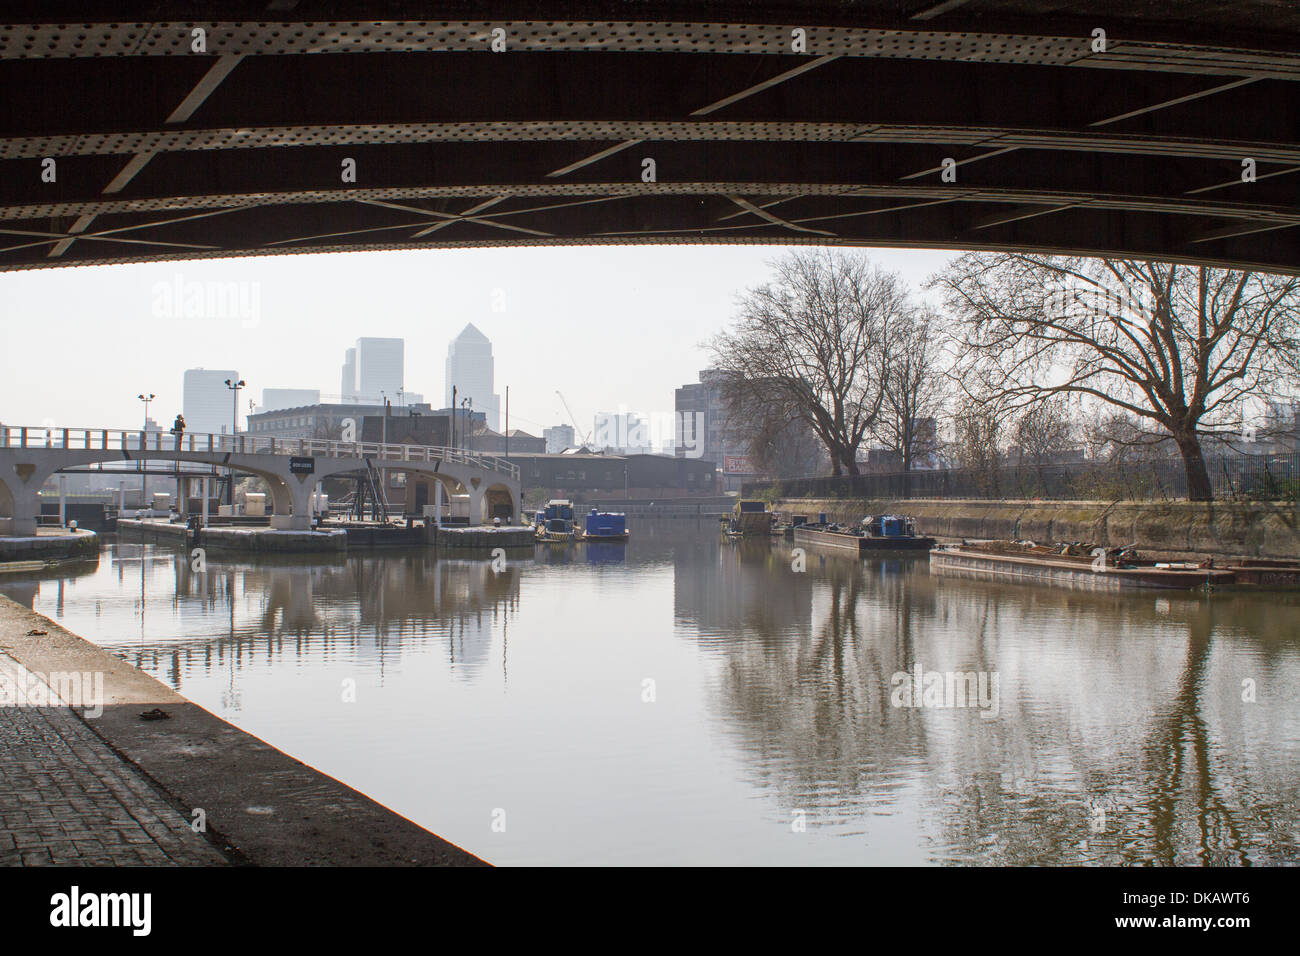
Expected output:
(50, 546)
(262, 540)
(254, 540)
(1230, 529)
(261, 806)
(459, 538)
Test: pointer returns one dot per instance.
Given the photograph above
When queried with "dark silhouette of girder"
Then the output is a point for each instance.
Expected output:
(148, 131)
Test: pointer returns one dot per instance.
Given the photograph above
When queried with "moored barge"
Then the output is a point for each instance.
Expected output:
(876, 533)
(1095, 569)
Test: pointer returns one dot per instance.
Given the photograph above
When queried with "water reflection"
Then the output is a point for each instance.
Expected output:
(1122, 735)
(1125, 727)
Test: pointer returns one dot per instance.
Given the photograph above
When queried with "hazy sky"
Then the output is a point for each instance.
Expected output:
(608, 326)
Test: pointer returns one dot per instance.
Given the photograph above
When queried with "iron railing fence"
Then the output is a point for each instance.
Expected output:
(1244, 477)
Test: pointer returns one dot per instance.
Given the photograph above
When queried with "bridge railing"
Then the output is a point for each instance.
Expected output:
(244, 443)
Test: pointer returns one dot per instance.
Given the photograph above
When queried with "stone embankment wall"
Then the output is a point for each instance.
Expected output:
(263, 540)
(510, 537)
(47, 547)
(1250, 529)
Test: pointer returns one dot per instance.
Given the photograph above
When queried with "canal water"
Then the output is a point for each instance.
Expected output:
(684, 699)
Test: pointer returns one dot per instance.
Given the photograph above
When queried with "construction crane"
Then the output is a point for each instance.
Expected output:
(572, 419)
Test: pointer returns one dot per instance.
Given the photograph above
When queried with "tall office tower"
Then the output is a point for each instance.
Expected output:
(277, 398)
(208, 405)
(381, 365)
(469, 369)
(348, 381)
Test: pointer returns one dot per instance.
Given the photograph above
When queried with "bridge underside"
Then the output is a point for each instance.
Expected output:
(1136, 149)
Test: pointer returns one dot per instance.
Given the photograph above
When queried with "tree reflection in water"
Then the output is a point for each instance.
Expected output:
(1122, 735)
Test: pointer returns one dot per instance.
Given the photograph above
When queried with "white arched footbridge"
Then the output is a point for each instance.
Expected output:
(290, 466)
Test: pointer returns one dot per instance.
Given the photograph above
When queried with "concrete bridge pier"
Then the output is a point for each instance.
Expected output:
(291, 499)
(20, 500)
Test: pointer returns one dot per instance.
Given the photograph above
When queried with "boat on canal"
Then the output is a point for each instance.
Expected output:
(1076, 566)
(749, 519)
(875, 533)
(554, 524)
(605, 526)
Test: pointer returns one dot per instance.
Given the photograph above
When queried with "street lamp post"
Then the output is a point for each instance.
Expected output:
(234, 430)
(467, 404)
(144, 437)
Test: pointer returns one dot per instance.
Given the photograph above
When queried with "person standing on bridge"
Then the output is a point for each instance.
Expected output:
(178, 429)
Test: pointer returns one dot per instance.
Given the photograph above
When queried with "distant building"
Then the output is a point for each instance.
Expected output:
(1281, 428)
(274, 398)
(595, 476)
(348, 378)
(373, 371)
(622, 433)
(702, 430)
(558, 438)
(207, 404)
(470, 371)
(323, 421)
(494, 443)
(381, 369)
(407, 429)
(463, 423)
(925, 450)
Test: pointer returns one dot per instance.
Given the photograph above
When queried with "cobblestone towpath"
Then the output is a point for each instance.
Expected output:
(67, 799)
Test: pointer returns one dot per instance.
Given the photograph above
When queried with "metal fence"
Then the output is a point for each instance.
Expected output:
(1253, 477)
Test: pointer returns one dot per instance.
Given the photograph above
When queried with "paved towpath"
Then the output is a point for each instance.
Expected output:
(118, 789)
(66, 799)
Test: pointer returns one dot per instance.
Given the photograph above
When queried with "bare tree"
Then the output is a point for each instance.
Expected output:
(815, 340)
(1176, 347)
(773, 430)
(977, 435)
(913, 389)
(1043, 431)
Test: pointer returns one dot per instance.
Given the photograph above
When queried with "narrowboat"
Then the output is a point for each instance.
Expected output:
(605, 526)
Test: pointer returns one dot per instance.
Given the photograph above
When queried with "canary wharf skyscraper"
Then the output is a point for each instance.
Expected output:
(470, 371)
(373, 370)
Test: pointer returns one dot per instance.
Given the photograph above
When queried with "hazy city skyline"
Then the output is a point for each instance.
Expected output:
(611, 327)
